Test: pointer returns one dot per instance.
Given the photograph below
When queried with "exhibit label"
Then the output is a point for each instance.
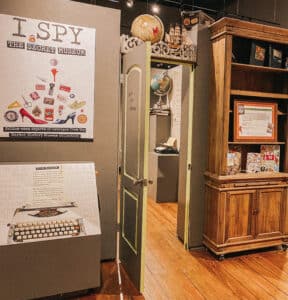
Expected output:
(47, 72)
(42, 202)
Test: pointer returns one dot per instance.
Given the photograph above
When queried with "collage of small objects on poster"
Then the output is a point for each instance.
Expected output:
(47, 80)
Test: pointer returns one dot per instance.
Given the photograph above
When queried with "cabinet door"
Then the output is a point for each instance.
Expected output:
(238, 222)
(268, 213)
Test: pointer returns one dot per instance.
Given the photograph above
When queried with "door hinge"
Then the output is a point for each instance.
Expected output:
(189, 167)
(122, 78)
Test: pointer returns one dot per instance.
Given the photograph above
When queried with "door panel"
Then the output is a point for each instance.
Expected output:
(130, 212)
(132, 135)
(239, 216)
(268, 213)
(135, 138)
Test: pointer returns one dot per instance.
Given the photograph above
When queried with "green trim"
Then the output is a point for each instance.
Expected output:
(145, 165)
(133, 247)
(189, 159)
(132, 69)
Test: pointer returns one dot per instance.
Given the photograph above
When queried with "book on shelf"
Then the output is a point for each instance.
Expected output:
(233, 160)
(275, 57)
(270, 156)
(253, 162)
(258, 53)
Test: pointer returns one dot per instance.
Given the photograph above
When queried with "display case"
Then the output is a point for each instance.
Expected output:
(246, 200)
(50, 241)
(163, 176)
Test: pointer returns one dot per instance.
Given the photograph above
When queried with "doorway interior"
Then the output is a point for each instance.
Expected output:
(169, 138)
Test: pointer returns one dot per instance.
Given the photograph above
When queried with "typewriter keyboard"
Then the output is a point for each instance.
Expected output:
(38, 230)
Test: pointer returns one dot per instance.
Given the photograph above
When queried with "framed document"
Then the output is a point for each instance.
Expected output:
(255, 121)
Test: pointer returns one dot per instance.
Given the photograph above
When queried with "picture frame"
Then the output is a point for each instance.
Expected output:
(258, 53)
(275, 56)
(255, 121)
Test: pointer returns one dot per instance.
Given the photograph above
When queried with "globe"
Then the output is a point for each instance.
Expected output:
(148, 28)
(161, 84)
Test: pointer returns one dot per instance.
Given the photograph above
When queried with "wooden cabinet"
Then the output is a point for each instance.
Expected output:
(242, 215)
(245, 210)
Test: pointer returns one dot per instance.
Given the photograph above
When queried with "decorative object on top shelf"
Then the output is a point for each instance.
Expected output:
(191, 18)
(177, 37)
(161, 49)
(180, 42)
(128, 43)
(184, 52)
(255, 121)
(161, 85)
(148, 28)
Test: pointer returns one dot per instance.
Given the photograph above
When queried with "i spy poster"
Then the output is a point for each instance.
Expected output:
(47, 79)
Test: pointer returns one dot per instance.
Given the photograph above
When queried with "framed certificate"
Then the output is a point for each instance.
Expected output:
(255, 121)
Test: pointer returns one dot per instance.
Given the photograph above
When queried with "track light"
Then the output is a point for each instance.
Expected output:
(130, 3)
(155, 9)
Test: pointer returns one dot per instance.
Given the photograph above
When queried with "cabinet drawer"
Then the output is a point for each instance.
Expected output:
(257, 184)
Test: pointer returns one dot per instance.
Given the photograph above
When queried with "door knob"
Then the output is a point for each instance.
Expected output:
(140, 181)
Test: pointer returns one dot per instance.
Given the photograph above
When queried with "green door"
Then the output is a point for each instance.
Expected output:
(135, 138)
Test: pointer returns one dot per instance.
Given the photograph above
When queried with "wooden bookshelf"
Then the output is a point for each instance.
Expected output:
(245, 211)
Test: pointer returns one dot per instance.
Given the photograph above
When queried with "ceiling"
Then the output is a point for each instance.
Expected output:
(169, 9)
(182, 4)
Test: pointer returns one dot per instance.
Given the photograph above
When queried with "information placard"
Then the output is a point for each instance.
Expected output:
(47, 201)
(255, 121)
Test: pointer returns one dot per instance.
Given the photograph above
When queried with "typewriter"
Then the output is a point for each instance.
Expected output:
(35, 224)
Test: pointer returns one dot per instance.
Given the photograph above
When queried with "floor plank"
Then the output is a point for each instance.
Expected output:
(173, 273)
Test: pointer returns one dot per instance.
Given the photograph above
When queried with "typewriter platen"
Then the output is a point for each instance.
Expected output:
(36, 224)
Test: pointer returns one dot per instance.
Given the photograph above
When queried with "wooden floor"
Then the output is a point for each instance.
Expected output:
(110, 288)
(176, 274)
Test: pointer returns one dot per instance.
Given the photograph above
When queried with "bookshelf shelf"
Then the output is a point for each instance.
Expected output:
(258, 94)
(256, 143)
(251, 68)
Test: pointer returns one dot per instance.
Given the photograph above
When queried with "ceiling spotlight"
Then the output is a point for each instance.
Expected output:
(129, 3)
(155, 9)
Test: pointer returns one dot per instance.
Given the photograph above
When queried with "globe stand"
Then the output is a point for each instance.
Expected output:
(161, 85)
(159, 103)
